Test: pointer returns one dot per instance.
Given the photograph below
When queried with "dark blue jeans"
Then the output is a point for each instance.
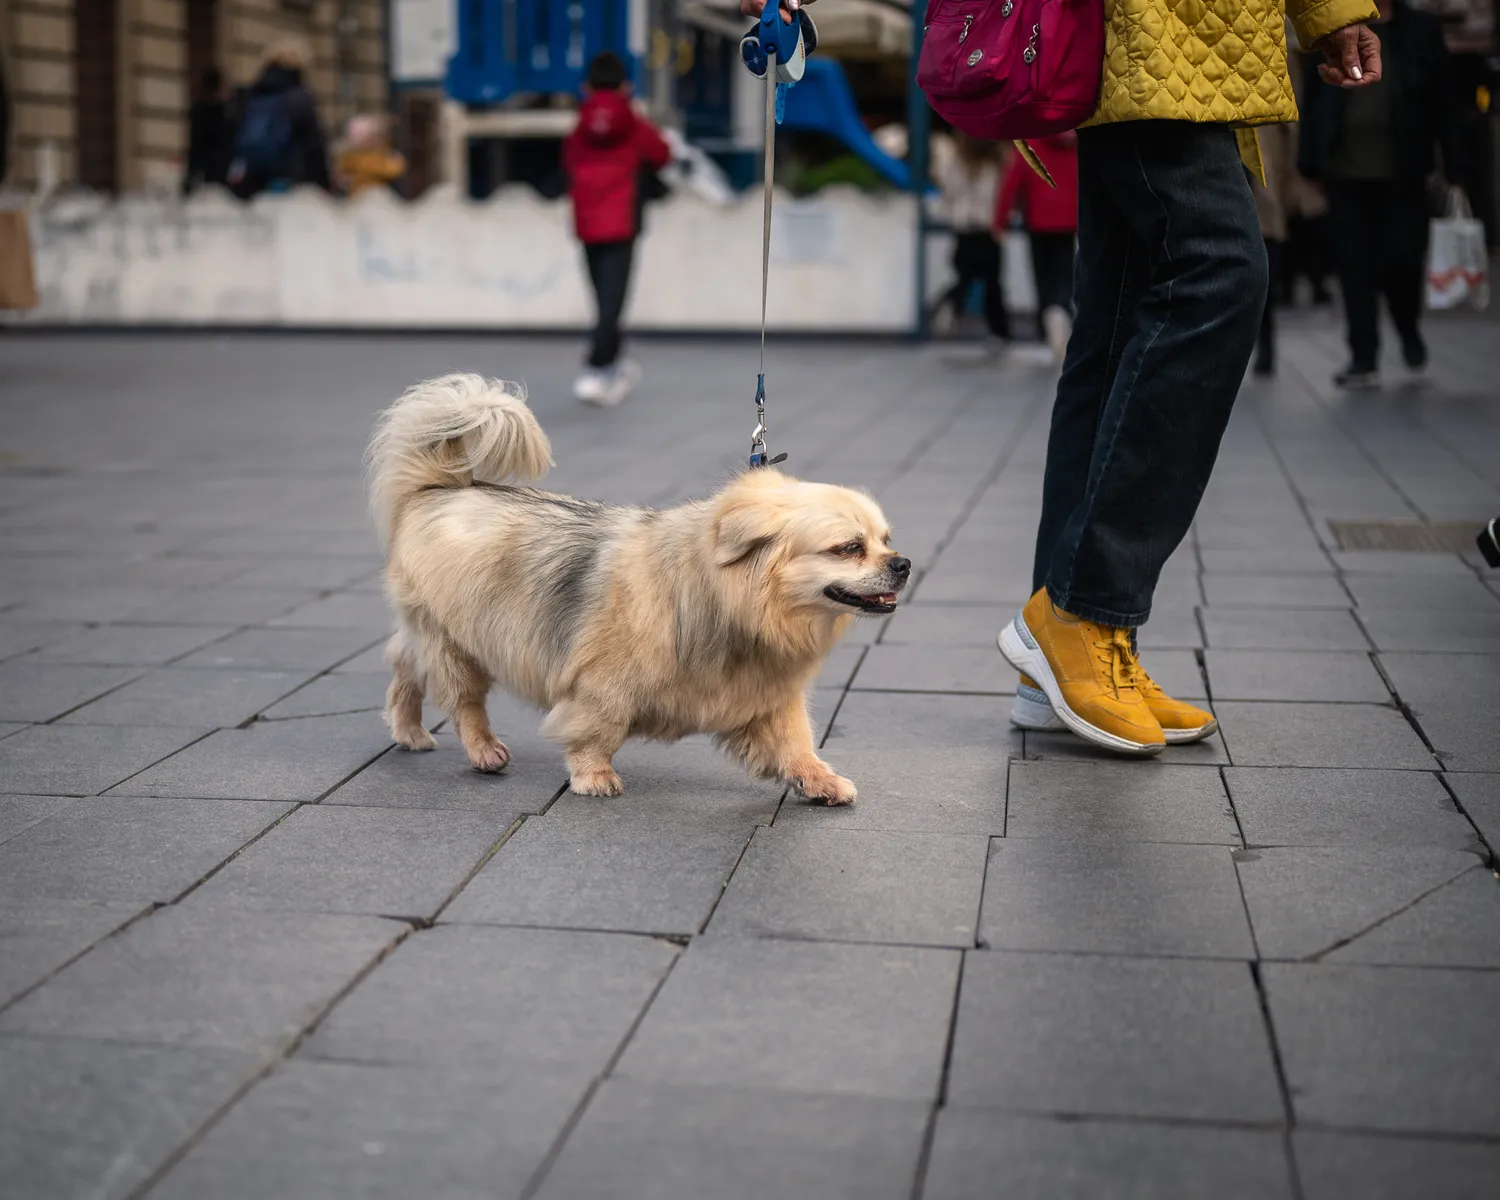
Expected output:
(1169, 284)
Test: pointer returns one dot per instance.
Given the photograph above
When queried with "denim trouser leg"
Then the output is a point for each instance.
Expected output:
(1170, 282)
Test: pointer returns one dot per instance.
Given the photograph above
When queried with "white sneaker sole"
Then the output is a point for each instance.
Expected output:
(1022, 652)
(1032, 710)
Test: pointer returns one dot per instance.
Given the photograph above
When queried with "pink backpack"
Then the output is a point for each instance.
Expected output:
(998, 69)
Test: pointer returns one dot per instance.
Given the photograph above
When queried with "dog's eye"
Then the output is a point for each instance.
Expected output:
(849, 549)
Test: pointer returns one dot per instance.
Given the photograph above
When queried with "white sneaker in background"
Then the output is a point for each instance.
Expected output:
(590, 386)
(617, 382)
(1058, 328)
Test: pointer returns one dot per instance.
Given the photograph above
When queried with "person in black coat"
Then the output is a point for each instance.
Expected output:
(1372, 150)
(280, 141)
(211, 130)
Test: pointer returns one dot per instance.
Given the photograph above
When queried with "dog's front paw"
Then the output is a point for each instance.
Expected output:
(489, 756)
(597, 783)
(824, 783)
(416, 738)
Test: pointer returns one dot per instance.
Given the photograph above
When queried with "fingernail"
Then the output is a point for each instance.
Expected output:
(1358, 74)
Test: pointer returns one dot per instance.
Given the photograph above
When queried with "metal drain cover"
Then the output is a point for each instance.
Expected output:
(1423, 537)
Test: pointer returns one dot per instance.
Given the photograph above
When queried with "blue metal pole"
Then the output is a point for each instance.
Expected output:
(918, 128)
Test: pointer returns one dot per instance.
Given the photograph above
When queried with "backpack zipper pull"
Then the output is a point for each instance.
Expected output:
(962, 37)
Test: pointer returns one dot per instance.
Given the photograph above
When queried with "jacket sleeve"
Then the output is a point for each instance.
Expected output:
(1316, 19)
(1010, 191)
(651, 146)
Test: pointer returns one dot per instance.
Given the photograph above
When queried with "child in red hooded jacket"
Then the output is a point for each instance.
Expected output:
(1050, 215)
(604, 158)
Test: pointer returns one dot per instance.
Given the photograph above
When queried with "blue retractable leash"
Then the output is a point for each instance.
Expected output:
(789, 43)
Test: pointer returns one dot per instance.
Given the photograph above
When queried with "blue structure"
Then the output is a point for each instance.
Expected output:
(823, 103)
(544, 46)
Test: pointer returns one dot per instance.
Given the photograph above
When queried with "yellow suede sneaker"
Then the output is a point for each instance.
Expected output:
(1180, 721)
(1087, 671)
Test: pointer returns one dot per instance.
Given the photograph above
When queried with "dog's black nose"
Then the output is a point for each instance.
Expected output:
(900, 566)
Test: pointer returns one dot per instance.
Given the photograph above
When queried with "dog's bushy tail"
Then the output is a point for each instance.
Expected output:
(448, 432)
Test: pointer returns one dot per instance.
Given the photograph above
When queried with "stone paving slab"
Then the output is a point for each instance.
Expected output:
(342, 1130)
(800, 1017)
(1347, 677)
(1292, 806)
(900, 668)
(1321, 735)
(37, 692)
(1480, 796)
(282, 649)
(1226, 592)
(1094, 895)
(131, 645)
(443, 780)
(1410, 592)
(1389, 1048)
(194, 975)
(1452, 697)
(1120, 802)
(52, 760)
(856, 885)
(974, 1150)
(1272, 629)
(88, 1118)
(1455, 631)
(917, 789)
(684, 1143)
(1124, 1037)
(1335, 1165)
(25, 636)
(1316, 902)
(602, 867)
(125, 849)
(234, 604)
(41, 935)
(336, 858)
(340, 695)
(20, 813)
(190, 699)
(491, 998)
(274, 760)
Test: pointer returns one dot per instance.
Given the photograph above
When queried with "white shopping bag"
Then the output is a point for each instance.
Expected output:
(1457, 258)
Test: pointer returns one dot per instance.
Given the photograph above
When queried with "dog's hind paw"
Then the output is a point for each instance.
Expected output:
(415, 739)
(597, 783)
(489, 757)
(825, 785)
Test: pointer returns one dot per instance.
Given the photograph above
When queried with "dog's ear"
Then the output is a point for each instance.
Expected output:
(741, 531)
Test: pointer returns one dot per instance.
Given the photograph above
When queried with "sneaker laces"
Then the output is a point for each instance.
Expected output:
(1143, 682)
(1117, 656)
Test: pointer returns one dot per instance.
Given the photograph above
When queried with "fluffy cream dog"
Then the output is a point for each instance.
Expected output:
(712, 617)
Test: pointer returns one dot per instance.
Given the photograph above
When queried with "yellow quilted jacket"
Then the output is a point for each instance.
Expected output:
(1223, 61)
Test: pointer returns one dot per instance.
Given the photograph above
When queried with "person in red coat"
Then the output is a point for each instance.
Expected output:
(605, 157)
(1050, 216)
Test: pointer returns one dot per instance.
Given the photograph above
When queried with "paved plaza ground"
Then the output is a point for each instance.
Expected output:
(247, 949)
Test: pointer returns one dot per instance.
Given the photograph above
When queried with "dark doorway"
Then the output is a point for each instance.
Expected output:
(96, 36)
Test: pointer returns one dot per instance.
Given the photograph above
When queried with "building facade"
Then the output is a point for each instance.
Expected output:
(98, 90)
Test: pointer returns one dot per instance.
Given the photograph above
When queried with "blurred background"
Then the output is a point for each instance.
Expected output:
(117, 116)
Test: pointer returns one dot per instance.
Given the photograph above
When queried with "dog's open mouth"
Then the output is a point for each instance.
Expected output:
(882, 602)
